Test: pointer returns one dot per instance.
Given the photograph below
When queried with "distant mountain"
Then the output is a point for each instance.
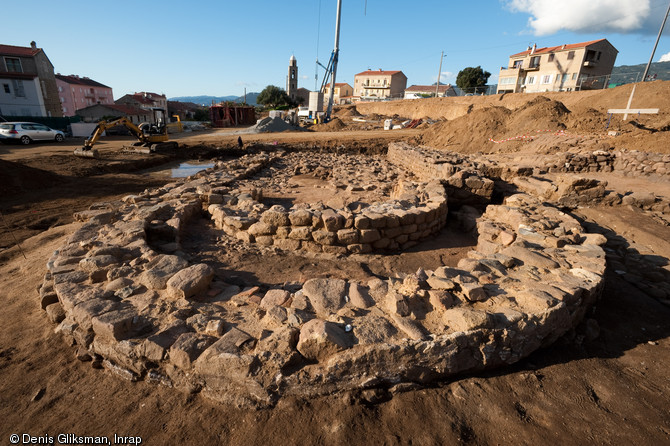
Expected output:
(207, 100)
(633, 73)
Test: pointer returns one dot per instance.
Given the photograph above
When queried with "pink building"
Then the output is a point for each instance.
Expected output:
(79, 92)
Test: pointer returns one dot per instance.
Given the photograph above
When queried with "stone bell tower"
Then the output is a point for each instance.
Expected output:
(292, 79)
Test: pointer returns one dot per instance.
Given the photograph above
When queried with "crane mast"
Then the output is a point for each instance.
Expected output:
(333, 61)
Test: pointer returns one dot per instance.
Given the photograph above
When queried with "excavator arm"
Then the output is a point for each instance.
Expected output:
(104, 125)
(153, 136)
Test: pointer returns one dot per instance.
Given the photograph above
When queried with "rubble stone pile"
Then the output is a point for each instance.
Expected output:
(125, 293)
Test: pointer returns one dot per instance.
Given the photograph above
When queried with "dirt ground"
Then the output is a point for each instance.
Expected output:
(607, 389)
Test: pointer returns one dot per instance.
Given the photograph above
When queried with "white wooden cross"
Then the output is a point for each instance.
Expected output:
(627, 110)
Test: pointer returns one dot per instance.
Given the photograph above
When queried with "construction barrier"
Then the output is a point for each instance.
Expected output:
(532, 136)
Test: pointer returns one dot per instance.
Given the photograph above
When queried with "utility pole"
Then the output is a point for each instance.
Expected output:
(439, 73)
(660, 31)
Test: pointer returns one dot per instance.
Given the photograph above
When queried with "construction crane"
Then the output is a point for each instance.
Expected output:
(331, 68)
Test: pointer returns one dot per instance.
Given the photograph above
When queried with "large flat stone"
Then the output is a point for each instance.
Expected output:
(160, 270)
(320, 339)
(325, 295)
(190, 281)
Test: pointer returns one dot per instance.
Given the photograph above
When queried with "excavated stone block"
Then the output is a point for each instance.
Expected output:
(160, 269)
(325, 295)
(359, 296)
(275, 297)
(190, 281)
(320, 339)
(188, 347)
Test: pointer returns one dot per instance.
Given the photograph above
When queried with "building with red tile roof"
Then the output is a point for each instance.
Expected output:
(421, 91)
(79, 92)
(98, 112)
(342, 90)
(568, 67)
(27, 83)
(378, 85)
(146, 101)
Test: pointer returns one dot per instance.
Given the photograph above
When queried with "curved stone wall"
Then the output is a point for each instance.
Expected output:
(124, 292)
(417, 212)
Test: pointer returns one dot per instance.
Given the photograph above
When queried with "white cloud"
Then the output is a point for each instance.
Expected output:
(447, 77)
(665, 58)
(551, 16)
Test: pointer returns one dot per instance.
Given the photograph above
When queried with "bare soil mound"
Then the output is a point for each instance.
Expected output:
(348, 111)
(540, 113)
(468, 133)
(334, 124)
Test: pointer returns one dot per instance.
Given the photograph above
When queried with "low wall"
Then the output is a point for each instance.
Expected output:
(460, 177)
(642, 163)
(396, 224)
(630, 163)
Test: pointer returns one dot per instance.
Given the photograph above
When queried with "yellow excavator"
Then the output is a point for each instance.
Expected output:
(152, 136)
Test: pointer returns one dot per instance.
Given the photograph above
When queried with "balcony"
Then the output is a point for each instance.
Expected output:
(590, 63)
(510, 72)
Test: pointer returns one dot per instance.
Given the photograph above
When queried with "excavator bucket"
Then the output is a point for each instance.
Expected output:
(161, 146)
(86, 153)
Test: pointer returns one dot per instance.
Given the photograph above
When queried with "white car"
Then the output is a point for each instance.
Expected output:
(27, 132)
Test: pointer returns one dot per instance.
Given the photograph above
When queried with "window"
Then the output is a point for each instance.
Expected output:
(530, 80)
(506, 81)
(518, 63)
(546, 79)
(535, 62)
(6, 87)
(551, 58)
(571, 55)
(19, 91)
(564, 77)
(64, 109)
(13, 64)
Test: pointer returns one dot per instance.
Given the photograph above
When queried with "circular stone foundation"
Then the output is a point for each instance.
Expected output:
(131, 287)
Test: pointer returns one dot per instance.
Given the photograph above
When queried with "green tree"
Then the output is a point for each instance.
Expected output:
(470, 79)
(201, 114)
(273, 96)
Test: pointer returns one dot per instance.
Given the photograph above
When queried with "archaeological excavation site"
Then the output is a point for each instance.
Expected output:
(143, 285)
(505, 259)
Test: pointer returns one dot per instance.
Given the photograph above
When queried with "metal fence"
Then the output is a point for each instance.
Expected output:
(53, 122)
(586, 83)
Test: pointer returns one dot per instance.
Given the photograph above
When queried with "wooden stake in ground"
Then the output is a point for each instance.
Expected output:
(627, 110)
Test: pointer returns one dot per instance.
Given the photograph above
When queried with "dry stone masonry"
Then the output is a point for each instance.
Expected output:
(125, 293)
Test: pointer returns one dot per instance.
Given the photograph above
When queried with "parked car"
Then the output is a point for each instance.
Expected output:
(27, 132)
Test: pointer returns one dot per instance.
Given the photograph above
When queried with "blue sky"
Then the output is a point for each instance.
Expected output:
(220, 47)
